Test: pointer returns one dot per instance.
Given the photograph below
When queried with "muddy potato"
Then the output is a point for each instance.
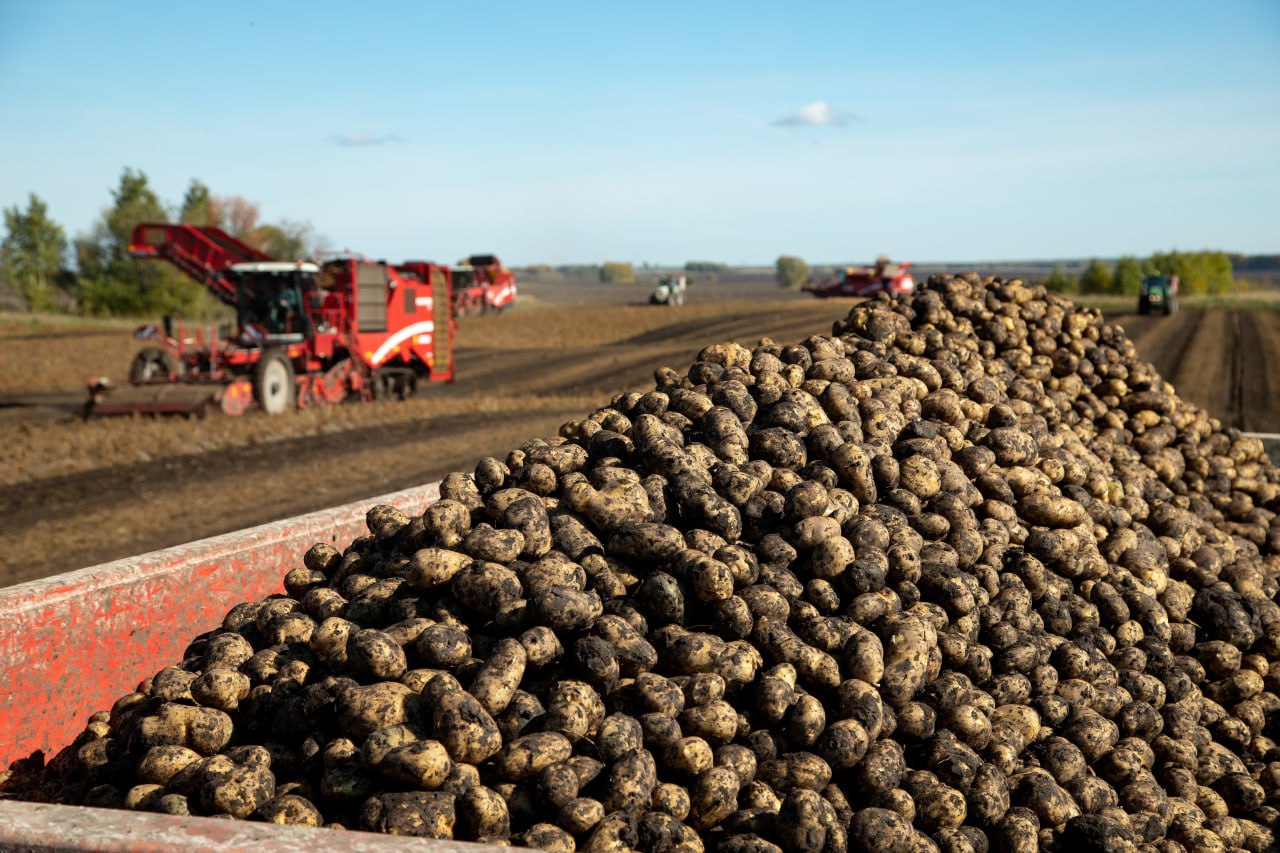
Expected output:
(420, 814)
(291, 810)
(500, 675)
(460, 722)
(805, 721)
(548, 837)
(220, 688)
(630, 782)
(716, 722)
(162, 763)
(863, 657)
(433, 567)
(240, 794)
(541, 646)
(843, 744)
(482, 815)
(564, 610)
(580, 815)
(376, 654)
(688, 755)
(529, 755)
(443, 646)
(877, 830)
(619, 734)
(713, 796)
(362, 710)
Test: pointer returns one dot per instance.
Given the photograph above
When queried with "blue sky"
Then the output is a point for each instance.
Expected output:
(663, 132)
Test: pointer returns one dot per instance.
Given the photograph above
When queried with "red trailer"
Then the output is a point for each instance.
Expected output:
(884, 277)
(306, 334)
(71, 645)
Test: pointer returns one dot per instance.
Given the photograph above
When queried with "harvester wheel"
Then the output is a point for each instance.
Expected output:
(152, 363)
(273, 383)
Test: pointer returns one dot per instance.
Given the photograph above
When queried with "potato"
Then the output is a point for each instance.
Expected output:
(483, 815)
(420, 814)
(529, 755)
(460, 722)
(545, 836)
(499, 677)
(241, 793)
(291, 810)
(376, 654)
(713, 796)
(442, 645)
(362, 710)
(220, 688)
(630, 783)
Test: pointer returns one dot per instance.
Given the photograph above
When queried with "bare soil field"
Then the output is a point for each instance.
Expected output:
(75, 493)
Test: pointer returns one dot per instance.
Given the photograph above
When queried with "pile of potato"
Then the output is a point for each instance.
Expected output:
(965, 575)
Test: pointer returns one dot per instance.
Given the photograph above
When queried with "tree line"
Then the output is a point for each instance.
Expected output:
(93, 274)
(1199, 274)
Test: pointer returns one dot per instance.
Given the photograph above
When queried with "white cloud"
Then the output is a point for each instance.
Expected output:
(816, 114)
(360, 140)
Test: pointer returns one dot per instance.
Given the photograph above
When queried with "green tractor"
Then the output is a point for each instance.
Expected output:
(1158, 293)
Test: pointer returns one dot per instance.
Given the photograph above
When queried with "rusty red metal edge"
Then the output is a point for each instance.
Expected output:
(72, 644)
(43, 828)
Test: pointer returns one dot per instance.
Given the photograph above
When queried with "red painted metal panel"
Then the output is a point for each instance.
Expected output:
(43, 828)
(72, 644)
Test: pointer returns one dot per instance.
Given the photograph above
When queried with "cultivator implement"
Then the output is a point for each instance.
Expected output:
(168, 398)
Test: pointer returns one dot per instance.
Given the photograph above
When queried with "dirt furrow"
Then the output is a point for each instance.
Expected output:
(1259, 353)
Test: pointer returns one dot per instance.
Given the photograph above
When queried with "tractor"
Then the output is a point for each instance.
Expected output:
(670, 290)
(884, 277)
(305, 334)
(1158, 293)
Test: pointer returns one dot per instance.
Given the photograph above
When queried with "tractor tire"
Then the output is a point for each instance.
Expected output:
(1144, 307)
(152, 363)
(1171, 306)
(273, 383)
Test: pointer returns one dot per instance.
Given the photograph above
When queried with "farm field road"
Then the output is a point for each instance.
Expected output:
(74, 494)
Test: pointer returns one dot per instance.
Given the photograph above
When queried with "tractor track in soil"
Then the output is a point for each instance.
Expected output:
(100, 491)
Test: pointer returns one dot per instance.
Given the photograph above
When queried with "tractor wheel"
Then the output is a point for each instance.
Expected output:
(1144, 307)
(152, 363)
(273, 383)
(1170, 306)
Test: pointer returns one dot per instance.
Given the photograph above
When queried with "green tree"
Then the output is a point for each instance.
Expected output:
(111, 282)
(287, 241)
(790, 271)
(195, 204)
(617, 272)
(1127, 277)
(1096, 278)
(32, 253)
(1198, 273)
(1060, 282)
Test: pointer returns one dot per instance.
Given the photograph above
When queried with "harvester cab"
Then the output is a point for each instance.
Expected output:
(277, 303)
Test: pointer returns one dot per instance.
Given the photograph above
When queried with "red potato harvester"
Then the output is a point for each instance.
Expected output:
(884, 277)
(306, 334)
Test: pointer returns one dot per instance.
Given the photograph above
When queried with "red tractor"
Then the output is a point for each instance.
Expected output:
(482, 284)
(306, 334)
(884, 277)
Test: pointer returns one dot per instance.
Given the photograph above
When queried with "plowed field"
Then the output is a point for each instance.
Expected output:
(74, 494)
